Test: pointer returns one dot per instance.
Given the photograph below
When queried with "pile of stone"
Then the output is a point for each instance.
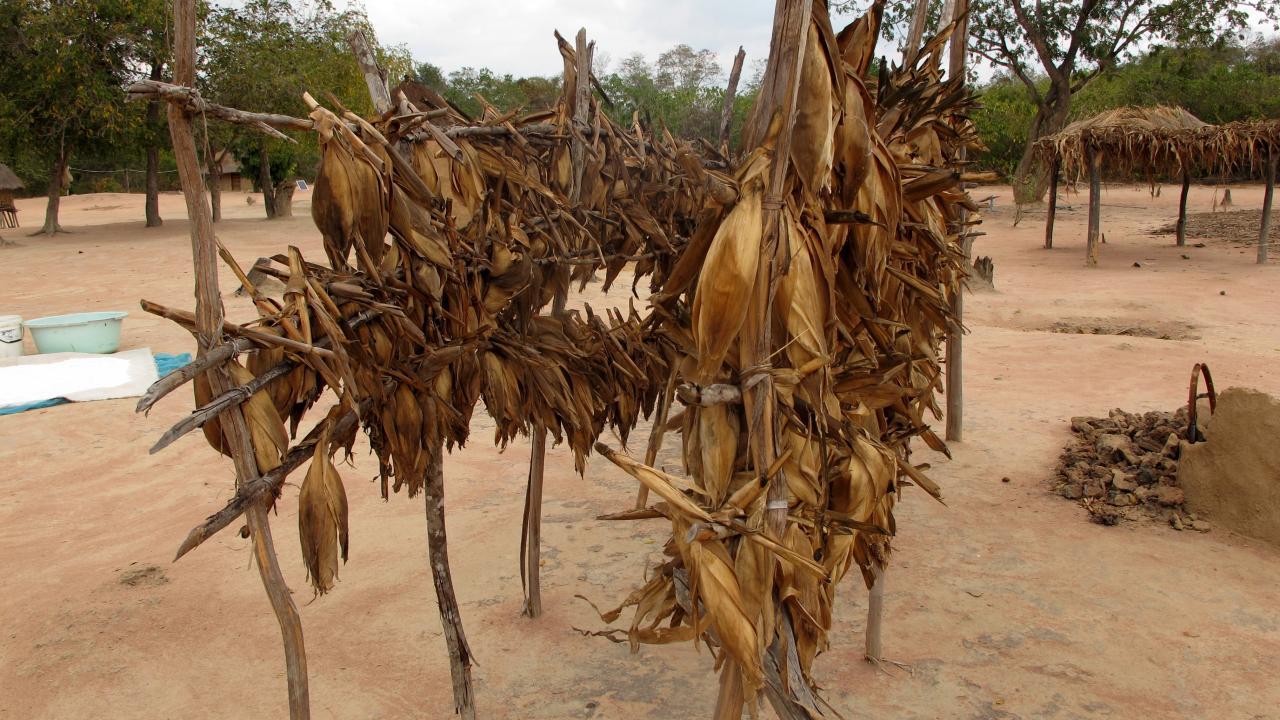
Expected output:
(1126, 464)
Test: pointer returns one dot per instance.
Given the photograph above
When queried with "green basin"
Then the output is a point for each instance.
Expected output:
(92, 332)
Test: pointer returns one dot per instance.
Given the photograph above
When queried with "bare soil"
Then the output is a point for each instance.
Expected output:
(1007, 602)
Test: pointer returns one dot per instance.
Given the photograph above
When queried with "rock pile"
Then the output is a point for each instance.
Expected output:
(1125, 463)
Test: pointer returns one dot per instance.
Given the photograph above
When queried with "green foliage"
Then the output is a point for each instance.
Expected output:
(504, 92)
(64, 64)
(1003, 121)
(262, 55)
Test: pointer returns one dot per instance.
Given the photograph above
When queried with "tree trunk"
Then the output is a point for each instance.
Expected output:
(153, 158)
(153, 187)
(215, 182)
(264, 181)
(284, 198)
(1031, 179)
(57, 177)
(1053, 205)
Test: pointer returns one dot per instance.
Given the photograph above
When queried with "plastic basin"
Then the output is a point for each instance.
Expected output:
(92, 332)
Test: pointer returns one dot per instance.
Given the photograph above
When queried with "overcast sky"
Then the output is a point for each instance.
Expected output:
(516, 37)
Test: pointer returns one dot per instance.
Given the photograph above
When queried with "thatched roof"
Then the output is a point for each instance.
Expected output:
(1156, 139)
(9, 180)
(1161, 140)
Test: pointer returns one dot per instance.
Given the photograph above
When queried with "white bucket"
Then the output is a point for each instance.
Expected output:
(10, 336)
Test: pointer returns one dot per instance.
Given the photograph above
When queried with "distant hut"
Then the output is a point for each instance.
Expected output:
(1155, 141)
(1152, 140)
(9, 183)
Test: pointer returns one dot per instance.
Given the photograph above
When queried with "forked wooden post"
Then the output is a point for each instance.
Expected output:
(1264, 234)
(730, 93)
(1182, 208)
(955, 338)
(209, 337)
(1052, 214)
(1094, 159)
(531, 526)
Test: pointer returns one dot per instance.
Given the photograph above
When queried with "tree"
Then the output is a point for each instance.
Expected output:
(150, 50)
(261, 55)
(1057, 49)
(683, 68)
(64, 64)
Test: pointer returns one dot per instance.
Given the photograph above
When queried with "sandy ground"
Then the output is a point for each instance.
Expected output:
(1008, 602)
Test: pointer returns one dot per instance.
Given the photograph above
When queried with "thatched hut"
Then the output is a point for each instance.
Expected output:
(1157, 141)
(9, 183)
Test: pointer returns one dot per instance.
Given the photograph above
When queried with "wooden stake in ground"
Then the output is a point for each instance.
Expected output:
(730, 93)
(209, 335)
(875, 609)
(1264, 235)
(1182, 209)
(464, 702)
(1094, 159)
(955, 338)
(1052, 214)
(531, 530)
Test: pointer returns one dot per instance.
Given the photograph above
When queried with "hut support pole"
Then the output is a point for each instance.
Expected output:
(1052, 215)
(464, 703)
(1095, 206)
(1264, 234)
(209, 336)
(1182, 208)
(955, 338)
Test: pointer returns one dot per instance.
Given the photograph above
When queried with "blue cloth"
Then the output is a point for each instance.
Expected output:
(165, 364)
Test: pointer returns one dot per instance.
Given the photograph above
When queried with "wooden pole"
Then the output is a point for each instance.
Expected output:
(1052, 215)
(656, 433)
(730, 93)
(374, 77)
(464, 702)
(581, 110)
(1095, 205)
(1264, 235)
(955, 338)
(1182, 208)
(209, 338)
(531, 532)
(875, 611)
(919, 18)
(778, 96)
